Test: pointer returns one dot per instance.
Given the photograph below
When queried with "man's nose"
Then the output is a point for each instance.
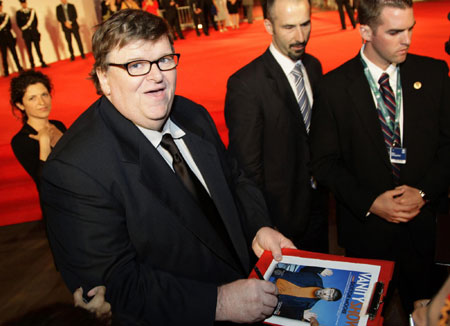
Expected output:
(155, 74)
(406, 37)
(299, 34)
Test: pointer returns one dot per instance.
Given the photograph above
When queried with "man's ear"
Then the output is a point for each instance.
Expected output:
(268, 25)
(366, 32)
(103, 79)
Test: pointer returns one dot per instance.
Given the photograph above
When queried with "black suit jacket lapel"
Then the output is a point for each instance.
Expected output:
(359, 92)
(279, 82)
(207, 160)
(414, 100)
(139, 155)
(314, 72)
(157, 176)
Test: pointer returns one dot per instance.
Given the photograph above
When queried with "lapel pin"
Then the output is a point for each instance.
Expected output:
(417, 85)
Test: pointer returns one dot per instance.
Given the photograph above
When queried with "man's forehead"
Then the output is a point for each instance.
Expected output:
(148, 47)
(390, 15)
(286, 9)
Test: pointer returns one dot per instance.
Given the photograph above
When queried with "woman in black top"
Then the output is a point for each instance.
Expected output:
(31, 100)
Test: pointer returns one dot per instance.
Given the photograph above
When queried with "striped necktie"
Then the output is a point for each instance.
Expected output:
(302, 97)
(391, 137)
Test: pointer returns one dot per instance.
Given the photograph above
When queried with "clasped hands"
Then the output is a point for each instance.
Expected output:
(97, 304)
(399, 205)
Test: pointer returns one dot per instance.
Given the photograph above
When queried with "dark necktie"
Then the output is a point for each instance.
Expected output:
(302, 97)
(391, 137)
(198, 191)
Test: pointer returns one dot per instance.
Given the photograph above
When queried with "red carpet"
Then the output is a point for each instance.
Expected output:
(206, 63)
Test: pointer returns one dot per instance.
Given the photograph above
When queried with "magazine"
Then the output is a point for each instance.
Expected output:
(335, 292)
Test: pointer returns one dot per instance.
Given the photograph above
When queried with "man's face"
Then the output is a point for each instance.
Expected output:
(326, 294)
(145, 100)
(63, 2)
(24, 5)
(290, 27)
(389, 42)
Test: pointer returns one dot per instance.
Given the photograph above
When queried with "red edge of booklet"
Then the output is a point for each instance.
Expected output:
(386, 270)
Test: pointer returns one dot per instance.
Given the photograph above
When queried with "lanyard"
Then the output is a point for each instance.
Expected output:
(393, 125)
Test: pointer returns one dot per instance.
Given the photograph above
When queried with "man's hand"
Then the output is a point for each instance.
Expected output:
(308, 315)
(420, 312)
(313, 322)
(411, 196)
(97, 305)
(68, 24)
(246, 301)
(326, 272)
(269, 239)
(387, 206)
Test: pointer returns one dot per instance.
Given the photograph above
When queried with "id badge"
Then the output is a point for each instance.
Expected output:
(398, 155)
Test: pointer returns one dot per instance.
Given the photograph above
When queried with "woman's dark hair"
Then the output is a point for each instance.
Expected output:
(19, 86)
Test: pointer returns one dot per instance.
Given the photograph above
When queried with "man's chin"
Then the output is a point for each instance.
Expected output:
(400, 58)
(295, 56)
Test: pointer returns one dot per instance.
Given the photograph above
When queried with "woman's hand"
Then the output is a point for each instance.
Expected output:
(47, 137)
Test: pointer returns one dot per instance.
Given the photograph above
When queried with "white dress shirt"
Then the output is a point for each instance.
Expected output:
(177, 133)
(287, 65)
(376, 73)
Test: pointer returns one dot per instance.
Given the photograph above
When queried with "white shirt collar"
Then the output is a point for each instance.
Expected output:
(287, 65)
(376, 71)
(169, 128)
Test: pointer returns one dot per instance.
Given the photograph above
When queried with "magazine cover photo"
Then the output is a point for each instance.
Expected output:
(337, 295)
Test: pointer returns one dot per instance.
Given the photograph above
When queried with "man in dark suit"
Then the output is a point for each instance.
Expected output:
(351, 15)
(267, 130)
(171, 15)
(198, 16)
(209, 14)
(141, 196)
(66, 13)
(7, 41)
(380, 141)
(27, 21)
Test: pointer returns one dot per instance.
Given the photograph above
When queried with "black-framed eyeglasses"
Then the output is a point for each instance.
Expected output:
(143, 67)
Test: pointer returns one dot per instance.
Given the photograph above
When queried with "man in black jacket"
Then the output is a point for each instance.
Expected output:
(141, 195)
(268, 131)
(171, 15)
(7, 41)
(380, 140)
(197, 8)
(27, 21)
(67, 16)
